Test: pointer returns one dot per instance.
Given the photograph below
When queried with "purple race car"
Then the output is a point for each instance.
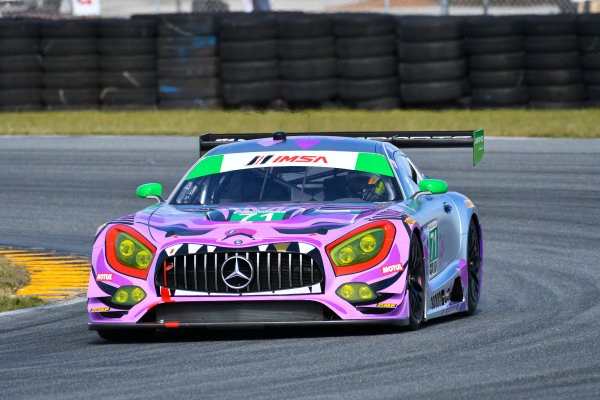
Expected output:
(323, 228)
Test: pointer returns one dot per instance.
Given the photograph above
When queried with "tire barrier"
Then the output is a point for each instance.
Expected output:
(495, 47)
(432, 65)
(249, 63)
(366, 51)
(297, 60)
(127, 51)
(553, 63)
(589, 45)
(187, 61)
(20, 66)
(307, 66)
(70, 60)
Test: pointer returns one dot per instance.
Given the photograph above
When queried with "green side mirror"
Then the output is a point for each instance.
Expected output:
(150, 190)
(434, 186)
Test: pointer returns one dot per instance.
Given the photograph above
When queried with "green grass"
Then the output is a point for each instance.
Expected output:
(533, 123)
(12, 278)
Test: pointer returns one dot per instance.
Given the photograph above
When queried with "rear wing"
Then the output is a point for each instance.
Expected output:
(402, 139)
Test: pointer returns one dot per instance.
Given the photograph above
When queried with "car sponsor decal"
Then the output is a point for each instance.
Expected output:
(366, 162)
(388, 269)
(469, 203)
(433, 248)
(386, 305)
(410, 220)
(104, 277)
(257, 216)
(100, 309)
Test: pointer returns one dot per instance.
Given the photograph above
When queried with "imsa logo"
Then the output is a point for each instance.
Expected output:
(287, 159)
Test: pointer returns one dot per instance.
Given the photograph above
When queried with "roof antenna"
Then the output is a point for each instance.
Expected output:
(279, 135)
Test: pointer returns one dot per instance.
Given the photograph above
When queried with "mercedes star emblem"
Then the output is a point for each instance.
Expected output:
(237, 272)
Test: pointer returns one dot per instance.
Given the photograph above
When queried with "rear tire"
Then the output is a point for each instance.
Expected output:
(474, 267)
(415, 281)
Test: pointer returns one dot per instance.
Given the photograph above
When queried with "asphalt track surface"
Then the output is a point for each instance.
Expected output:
(535, 334)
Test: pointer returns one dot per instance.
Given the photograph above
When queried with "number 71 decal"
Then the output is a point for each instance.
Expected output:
(259, 216)
(433, 248)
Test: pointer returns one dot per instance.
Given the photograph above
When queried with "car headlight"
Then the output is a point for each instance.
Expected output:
(128, 251)
(361, 249)
(128, 295)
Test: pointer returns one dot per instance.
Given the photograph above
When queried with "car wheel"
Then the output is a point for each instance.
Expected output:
(415, 283)
(126, 335)
(474, 267)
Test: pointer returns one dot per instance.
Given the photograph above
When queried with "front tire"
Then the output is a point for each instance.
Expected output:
(473, 267)
(415, 281)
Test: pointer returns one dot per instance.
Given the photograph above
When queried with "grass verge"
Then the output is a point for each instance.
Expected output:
(584, 123)
(12, 278)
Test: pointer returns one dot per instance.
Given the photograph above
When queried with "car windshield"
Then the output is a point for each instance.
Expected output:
(288, 184)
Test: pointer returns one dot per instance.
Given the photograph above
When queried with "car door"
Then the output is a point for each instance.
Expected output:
(438, 217)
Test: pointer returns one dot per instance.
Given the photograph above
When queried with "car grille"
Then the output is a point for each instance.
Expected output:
(273, 271)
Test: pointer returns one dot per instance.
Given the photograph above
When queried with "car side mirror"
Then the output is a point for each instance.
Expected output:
(150, 191)
(430, 186)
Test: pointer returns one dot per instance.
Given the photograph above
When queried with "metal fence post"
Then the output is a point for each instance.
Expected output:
(386, 6)
(157, 6)
(444, 7)
(486, 4)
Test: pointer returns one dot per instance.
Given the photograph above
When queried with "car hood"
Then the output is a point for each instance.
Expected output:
(244, 225)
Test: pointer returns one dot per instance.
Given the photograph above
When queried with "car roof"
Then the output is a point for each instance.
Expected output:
(299, 143)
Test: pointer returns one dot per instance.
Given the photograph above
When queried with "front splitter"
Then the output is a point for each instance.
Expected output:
(242, 325)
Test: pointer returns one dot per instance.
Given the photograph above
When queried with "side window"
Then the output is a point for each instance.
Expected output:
(408, 174)
(417, 174)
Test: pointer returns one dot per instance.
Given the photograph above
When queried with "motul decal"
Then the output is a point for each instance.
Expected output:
(389, 269)
(104, 277)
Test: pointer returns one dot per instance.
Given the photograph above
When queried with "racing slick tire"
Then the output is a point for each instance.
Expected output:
(473, 267)
(126, 335)
(415, 283)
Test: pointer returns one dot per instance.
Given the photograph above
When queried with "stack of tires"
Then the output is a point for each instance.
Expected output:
(589, 45)
(366, 51)
(432, 64)
(496, 61)
(128, 63)
(307, 66)
(249, 64)
(20, 66)
(554, 74)
(70, 61)
(187, 61)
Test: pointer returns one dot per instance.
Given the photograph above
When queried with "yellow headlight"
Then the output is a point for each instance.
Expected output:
(143, 258)
(356, 292)
(347, 291)
(365, 292)
(368, 243)
(359, 248)
(137, 294)
(121, 296)
(129, 295)
(347, 255)
(126, 247)
(131, 252)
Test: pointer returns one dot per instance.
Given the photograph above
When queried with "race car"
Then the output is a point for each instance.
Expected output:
(280, 229)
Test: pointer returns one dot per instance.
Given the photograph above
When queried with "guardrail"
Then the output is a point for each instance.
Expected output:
(296, 60)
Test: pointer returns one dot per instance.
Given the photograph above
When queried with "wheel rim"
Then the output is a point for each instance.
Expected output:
(474, 264)
(416, 274)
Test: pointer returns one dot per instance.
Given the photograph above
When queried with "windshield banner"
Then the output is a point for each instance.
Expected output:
(367, 162)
